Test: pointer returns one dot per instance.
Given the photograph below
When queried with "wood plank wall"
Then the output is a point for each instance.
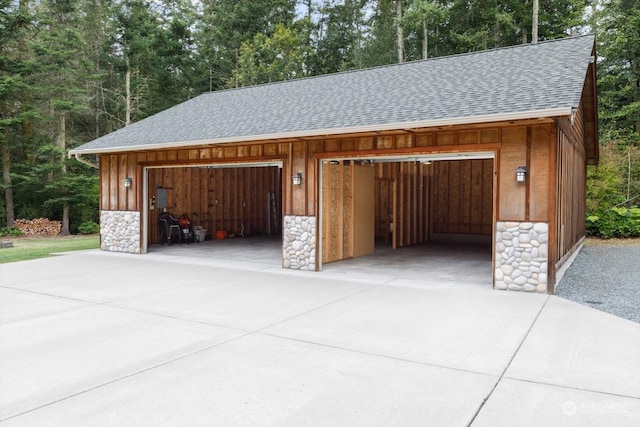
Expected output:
(333, 212)
(402, 203)
(115, 167)
(218, 198)
(516, 143)
(113, 170)
(463, 196)
(347, 201)
(570, 191)
(528, 146)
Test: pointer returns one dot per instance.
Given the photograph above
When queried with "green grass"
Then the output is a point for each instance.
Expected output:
(26, 248)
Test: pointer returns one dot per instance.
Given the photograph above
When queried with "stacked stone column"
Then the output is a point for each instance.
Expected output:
(120, 231)
(299, 242)
(522, 256)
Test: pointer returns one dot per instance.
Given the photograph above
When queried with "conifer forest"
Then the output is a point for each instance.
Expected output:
(73, 70)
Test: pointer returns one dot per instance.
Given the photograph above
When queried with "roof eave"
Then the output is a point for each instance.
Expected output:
(489, 118)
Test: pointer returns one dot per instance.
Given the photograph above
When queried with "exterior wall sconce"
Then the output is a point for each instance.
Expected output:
(297, 178)
(521, 174)
(127, 182)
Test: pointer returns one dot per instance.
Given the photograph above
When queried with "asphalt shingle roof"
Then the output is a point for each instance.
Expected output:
(517, 79)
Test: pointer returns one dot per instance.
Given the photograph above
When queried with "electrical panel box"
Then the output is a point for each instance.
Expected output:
(161, 198)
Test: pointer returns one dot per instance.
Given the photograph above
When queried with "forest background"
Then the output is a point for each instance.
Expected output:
(72, 70)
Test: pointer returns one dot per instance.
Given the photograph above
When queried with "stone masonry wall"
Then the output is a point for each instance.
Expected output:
(522, 256)
(120, 231)
(299, 242)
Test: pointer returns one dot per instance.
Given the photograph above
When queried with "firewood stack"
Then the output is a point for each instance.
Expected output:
(38, 226)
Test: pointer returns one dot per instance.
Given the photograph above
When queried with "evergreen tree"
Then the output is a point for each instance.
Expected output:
(175, 74)
(424, 16)
(133, 59)
(224, 25)
(270, 59)
(60, 52)
(17, 112)
(340, 48)
(618, 26)
(380, 46)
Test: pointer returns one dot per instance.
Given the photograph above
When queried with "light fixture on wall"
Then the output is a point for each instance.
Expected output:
(297, 178)
(521, 174)
(127, 182)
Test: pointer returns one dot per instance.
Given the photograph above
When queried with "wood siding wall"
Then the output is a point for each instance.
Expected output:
(402, 203)
(528, 146)
(569, 192)
(463, 196)
(115, 167)
(232, 199)
(113, 170)
(519, 143)
(347, 210)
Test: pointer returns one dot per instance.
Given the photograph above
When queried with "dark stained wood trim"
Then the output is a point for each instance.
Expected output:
(554, 141)
(496, 198)
(558, 265)
(527, 196)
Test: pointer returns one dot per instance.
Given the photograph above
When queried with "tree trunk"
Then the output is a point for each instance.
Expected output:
(127, 88)
(534, 25)
(437, 38)
(399, 32)
(635, 67)
(62, 143)
(425, 40)
(6, 181)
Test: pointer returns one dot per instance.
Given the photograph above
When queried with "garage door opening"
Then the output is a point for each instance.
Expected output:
(223, 203)
(409, 216)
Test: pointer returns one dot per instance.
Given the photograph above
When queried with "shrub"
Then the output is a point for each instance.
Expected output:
(615, 222)
(10, 231)
(88, 227)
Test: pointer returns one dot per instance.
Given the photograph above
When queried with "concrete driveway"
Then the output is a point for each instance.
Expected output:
(99, 339)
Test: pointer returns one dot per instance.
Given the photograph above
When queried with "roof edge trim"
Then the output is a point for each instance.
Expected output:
(522, 115)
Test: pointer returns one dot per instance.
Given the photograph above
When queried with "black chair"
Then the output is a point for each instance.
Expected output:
(167, 224)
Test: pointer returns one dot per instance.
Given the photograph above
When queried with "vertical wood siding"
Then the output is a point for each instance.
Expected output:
(527, 146)
(457, 195)
(463, 196)
(570, 190)
(402, 203)
(229, 199)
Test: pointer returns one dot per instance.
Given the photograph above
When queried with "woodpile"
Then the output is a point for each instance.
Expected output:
(36, 226)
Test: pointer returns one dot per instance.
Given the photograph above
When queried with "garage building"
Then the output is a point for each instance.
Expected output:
(488, 146)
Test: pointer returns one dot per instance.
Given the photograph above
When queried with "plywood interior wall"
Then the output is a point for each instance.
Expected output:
(347, 210)
(402, 203)
(363, 211)
(384, 206)
(463, 196)
(232, 199)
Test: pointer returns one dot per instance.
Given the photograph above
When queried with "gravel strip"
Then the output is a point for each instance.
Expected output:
(606, 278)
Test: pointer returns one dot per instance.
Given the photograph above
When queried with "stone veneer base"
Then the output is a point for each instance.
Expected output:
(120, 231)
(299, 242)
(522, 256)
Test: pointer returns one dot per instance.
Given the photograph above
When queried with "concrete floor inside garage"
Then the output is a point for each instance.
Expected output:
(423, 265)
